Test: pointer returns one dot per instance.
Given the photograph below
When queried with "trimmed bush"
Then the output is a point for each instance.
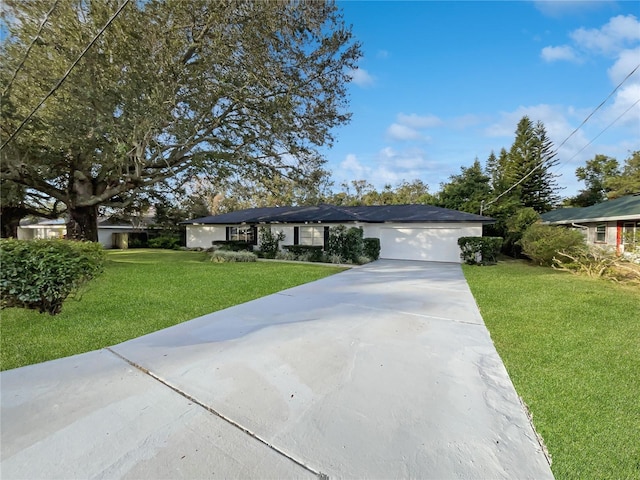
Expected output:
(541, 243)
(41, 274)
(347, 243)
(479, 250)
(225, 256)
(371, 248)
(270, 242)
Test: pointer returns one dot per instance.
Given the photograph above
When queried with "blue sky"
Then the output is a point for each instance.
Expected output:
(442, 83)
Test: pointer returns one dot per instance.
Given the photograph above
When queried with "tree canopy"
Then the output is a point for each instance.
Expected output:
(627, 181)
(466, 191)
(595, 174)
(170, 89)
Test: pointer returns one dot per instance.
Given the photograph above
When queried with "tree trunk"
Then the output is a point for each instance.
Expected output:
(83, 223)
(10, 220)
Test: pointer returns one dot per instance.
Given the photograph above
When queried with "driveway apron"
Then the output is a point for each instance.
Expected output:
(382, 371)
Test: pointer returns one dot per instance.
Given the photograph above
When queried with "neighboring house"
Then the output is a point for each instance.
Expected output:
(406, 232)
(605, 224)
(109, 232)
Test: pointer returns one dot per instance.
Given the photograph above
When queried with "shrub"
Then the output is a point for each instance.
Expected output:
(332, 258)
(541, 243)
(224, 256)
(348, 243)
(479, 250)
(41, 274)
(371, 248)
(516, 225)
(233, 245)
(270, 242)
(362, 259)
(167, 242)
(306, 253)
(285, 255)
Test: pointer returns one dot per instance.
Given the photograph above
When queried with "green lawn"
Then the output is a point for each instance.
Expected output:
(142, 291)
(572, 348)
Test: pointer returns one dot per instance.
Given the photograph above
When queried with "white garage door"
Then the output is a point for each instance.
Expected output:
(427, 244)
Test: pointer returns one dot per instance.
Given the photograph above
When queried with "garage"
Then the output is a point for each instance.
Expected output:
(435, 244)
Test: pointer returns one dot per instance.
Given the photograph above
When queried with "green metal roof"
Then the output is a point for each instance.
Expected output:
(623, 208)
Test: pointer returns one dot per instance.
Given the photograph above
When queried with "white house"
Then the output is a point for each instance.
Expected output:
(57, 228)
(406, 232)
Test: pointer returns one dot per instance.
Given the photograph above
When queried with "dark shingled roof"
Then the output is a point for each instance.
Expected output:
(332, 214)
(622, 208)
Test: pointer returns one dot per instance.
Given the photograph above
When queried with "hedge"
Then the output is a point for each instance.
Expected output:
(41, 274)
(479, 250)
(224, 256)
(371, 248)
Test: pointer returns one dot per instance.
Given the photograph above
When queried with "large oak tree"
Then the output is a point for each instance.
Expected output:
(170, 88)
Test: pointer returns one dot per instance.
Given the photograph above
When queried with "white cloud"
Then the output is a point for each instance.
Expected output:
(408, 127)
(352, 165)
(619, 33)
(626, 62)
(389, 166)
(361, 77)
(564, 52)
(419, 121)
(403, 132)
(558, 121)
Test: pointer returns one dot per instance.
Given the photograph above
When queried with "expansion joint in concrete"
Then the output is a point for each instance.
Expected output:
(320, 475)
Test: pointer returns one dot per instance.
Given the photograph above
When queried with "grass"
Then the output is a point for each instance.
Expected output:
(142, 291)
(572, 348)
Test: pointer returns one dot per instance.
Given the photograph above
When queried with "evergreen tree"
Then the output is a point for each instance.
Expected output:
(530, 161)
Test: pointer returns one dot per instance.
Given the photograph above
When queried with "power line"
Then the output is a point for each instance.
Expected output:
(483, 204)
(26, 54)
(604, 130)
(598, 107)
(67, 73)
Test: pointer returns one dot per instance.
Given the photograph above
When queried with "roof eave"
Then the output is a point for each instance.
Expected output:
(614, 218)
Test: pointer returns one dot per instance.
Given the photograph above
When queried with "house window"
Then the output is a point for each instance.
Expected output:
(311, 236)
(242, 234)
(601, 234)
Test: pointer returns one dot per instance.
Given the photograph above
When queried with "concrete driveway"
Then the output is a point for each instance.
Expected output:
(383, 371)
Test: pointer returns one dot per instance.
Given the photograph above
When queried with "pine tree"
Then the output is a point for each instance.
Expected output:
(530, 161)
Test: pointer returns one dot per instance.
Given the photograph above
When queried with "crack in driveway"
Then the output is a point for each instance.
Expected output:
(210, 409)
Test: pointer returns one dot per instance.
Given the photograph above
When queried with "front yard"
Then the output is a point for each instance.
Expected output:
(572, 348)
(142, 291)
(571, 344)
